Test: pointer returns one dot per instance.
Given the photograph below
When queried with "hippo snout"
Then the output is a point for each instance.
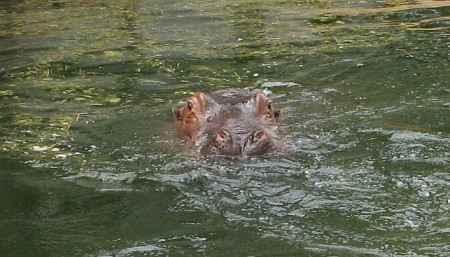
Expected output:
(257, 143)
(231, 144)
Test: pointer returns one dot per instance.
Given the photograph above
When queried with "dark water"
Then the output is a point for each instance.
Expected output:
(89, 165)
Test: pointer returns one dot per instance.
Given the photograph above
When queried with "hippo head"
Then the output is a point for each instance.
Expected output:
(229, 122)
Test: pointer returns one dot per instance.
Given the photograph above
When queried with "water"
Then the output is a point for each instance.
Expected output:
(89, 165)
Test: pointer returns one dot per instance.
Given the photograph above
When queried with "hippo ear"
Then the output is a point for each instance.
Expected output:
(177, 113)
(197, 103)
(190, 105)
(263, 105)
(194, 109)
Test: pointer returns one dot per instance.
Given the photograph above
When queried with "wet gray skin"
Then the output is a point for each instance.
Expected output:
(229, 122)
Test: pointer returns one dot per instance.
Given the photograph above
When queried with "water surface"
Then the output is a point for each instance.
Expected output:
(89, 165)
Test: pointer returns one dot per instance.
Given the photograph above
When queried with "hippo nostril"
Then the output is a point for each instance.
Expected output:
(257, 143)
(258, 136)
(223, 135)
(224, 142)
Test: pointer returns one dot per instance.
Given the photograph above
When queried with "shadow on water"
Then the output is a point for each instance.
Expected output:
(89, 164)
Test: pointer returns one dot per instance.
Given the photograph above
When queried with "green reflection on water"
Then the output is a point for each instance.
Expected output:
(86, 91)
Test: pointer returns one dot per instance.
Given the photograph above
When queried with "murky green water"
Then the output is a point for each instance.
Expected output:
(89, 165)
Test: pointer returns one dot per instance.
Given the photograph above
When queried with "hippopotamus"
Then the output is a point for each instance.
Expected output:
(230, 122)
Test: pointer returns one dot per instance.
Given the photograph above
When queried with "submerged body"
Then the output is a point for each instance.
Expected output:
(229, 122)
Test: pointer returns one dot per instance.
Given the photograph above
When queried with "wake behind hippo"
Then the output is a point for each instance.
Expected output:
(229, 122)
